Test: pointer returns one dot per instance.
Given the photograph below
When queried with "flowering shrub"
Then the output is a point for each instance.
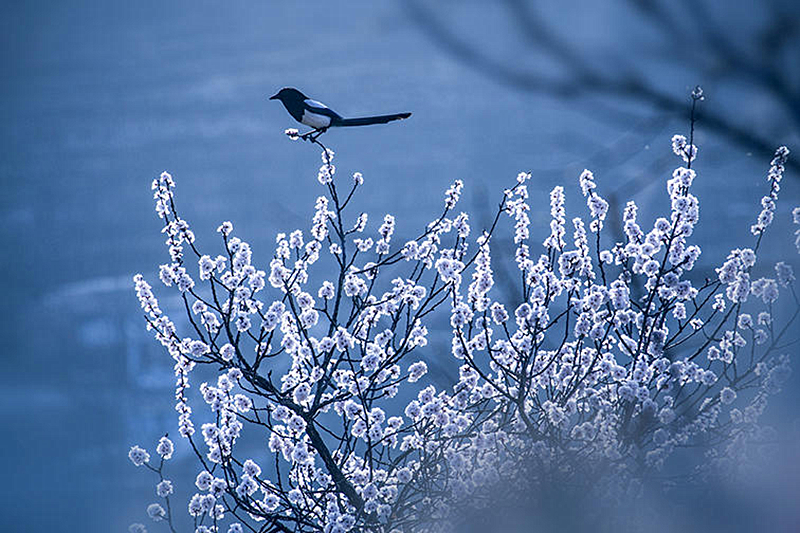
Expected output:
(609, 357)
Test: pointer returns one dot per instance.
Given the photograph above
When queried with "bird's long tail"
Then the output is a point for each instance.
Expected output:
(366, 121)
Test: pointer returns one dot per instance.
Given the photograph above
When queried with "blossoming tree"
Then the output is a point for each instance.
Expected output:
(608, 358)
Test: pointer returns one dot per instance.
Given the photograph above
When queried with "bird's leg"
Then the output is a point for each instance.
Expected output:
(309, 134)
(314, 134)
(320, 131)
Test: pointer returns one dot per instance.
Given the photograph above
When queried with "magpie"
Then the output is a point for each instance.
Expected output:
(320, 117)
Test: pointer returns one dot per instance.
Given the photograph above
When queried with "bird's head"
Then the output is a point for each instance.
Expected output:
(287, 94)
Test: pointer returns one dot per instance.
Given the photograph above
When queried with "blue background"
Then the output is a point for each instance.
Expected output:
(99, 97)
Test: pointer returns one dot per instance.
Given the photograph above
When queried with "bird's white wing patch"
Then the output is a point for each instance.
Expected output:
(314, 103)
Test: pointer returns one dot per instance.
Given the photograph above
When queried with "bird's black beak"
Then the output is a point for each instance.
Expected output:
(273, 97)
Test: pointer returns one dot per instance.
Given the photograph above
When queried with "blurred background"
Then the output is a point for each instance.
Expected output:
(99, 97)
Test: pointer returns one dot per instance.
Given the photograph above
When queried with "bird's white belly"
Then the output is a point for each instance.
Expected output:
(315, 121)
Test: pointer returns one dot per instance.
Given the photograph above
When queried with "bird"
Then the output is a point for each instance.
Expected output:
(321, 117)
